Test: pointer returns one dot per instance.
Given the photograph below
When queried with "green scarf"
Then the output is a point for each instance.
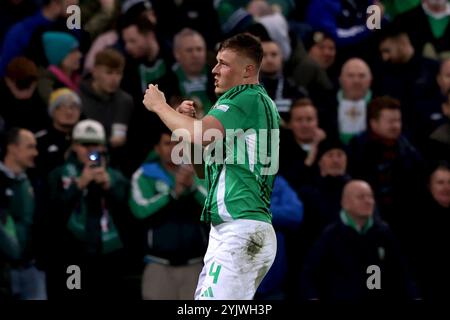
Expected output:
(78, 218)
(151, 74)
(348, 221)
(194, 88)
(438, 26)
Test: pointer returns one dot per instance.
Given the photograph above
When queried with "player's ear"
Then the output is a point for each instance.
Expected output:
(249, 70)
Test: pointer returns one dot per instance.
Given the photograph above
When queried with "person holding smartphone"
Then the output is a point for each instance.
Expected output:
(89, 199)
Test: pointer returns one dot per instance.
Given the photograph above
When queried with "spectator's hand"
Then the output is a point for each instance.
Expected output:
(187, 108)
(101, 177)
(184, 178)
(319, 135)
(153, 98)
(86, 177)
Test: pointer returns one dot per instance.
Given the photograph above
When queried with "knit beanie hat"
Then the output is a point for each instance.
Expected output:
(61, 96)
(57, 45)
(327, 145)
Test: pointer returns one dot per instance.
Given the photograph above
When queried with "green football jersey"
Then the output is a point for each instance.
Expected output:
(240, 169)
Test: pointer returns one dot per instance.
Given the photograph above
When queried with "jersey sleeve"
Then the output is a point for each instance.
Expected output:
(231, 115)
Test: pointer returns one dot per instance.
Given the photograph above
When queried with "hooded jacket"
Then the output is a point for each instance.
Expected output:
(172, 225)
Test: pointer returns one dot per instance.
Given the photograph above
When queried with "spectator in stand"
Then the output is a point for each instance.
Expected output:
(13, 11)
(99, 16)
(168, 200)
(321, 47)
(18, 37)
(174, 15)
(346, 22)
(322, 197)
(298, 145)
(428, 28)
(287, 215)
(191, 78)
(304, 71)
(105, 102)
(147, 64)
(64, 57)
(64, 109)
(395, 7)
(439, 142)
(430, 238)
(390, 163)
(89, 218)
(352, 99)
(405, 75)
(336, 268)
(17, 207)
(279, 88)
(429, 115)
(21, 105)
(274, 22)
(111, 38)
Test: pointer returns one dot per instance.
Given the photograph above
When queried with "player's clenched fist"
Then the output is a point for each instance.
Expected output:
(153, 98)
(187, 108)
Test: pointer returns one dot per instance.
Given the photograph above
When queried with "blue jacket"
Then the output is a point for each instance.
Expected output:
(340, 18)
(18, 37)
(287, 213)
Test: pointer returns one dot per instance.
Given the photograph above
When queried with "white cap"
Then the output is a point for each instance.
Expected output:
(89, 131)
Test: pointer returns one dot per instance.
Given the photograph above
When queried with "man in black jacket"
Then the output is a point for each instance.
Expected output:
(357, 259)
(389, 162)
(428, 27)
(64, 108)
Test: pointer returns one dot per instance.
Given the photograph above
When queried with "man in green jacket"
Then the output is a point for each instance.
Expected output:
(168, 200)
(18, 276)
(88, 201)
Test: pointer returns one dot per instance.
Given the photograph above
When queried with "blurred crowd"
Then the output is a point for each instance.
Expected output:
(87, 178)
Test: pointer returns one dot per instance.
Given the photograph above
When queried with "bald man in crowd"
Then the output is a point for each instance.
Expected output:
(357, 258)
(353, 96)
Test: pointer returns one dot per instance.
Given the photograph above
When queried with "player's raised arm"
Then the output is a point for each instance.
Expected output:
(155, 101)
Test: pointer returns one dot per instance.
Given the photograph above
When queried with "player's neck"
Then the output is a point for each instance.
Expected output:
(250, 80)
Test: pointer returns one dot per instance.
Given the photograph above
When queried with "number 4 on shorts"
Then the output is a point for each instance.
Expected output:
(214, 273)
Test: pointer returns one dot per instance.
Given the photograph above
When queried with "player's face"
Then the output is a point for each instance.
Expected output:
(229, 71)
